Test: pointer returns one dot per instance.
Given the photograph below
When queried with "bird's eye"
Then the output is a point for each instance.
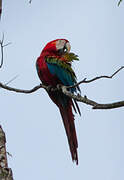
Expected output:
(64, 49)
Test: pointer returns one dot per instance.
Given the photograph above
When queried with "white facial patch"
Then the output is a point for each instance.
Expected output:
(68, 46)
(60, 44)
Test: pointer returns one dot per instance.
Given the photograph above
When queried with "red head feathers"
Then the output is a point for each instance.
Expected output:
(58, 45)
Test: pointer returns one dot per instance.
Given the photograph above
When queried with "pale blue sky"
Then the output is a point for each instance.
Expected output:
(32, 123)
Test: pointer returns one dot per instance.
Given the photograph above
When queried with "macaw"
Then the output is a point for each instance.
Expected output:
(53, 68)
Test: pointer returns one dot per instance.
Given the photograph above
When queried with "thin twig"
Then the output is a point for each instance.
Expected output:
(7, 44)
(96, 78)
(11, 79)
(1, 47)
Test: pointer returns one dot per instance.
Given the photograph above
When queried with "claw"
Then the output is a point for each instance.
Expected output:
(59, 86)
(49, 88)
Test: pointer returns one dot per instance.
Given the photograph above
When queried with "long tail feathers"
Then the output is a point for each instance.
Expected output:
(65, 105)
(68, 120)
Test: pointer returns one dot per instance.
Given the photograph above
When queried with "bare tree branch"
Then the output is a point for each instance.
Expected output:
(109, 106)
(23, 91)
(94, 104)
(5, 172)
(96, 78)
(78, 97)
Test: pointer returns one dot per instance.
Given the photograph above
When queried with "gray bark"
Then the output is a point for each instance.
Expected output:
(5, 172)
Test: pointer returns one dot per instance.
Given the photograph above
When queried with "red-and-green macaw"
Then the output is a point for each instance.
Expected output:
(54, 67)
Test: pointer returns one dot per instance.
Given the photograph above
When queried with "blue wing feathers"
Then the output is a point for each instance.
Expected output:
(62, 74)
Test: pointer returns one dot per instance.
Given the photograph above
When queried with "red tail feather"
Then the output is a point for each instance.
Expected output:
(65, 105)
(68, 120)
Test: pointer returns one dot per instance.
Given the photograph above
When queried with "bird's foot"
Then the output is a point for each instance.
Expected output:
(59, 86)
(49, 88)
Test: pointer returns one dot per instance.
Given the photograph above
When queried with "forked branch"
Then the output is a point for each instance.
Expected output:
(96, 78)
(78, 97)
(1, 47)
